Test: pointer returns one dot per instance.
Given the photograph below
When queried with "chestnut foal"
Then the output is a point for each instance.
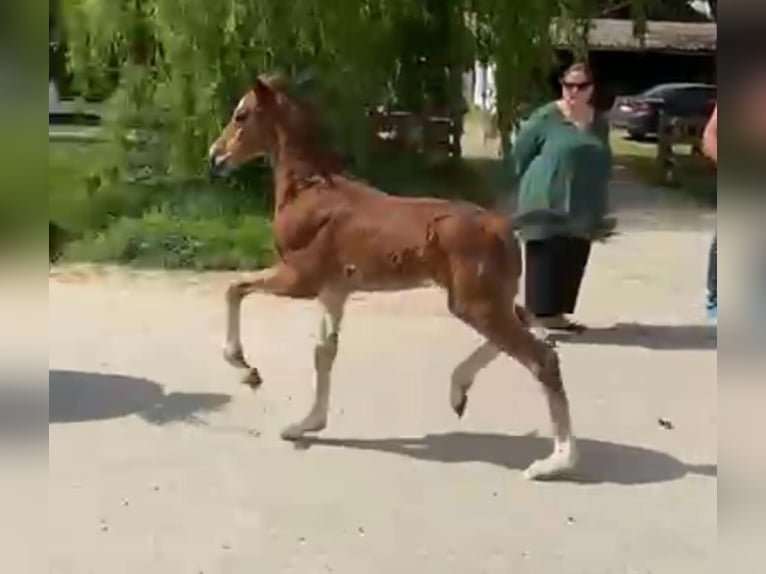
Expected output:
(335, 235)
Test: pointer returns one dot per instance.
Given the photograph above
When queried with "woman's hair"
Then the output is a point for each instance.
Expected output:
(581, 67)
(598, 99)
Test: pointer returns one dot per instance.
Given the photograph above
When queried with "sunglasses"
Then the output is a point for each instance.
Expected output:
(576, 85)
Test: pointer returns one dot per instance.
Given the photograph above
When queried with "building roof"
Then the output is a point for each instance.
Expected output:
(612, 34)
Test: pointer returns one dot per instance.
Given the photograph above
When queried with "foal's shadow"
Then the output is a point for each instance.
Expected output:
(600, 462)
(663, 337)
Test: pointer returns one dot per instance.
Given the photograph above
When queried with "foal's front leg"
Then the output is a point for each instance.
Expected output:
(332, 305)
(280, 280)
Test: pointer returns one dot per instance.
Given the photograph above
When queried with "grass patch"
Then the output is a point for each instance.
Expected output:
(162, 239)
(193, 225)
(74, 172)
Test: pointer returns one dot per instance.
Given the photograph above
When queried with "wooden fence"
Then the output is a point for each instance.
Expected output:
(673, 131)
(439, 134)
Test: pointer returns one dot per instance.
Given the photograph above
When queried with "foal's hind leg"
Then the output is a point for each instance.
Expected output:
(465, 373)
(325, 351)
(497, 320)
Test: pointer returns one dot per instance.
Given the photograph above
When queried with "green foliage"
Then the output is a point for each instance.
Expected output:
(521, 38)
(162, 239)
(183, 64)
(22, 186)
(192, 223)
(174, 69)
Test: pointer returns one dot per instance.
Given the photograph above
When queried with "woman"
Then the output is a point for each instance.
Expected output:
(563, 164)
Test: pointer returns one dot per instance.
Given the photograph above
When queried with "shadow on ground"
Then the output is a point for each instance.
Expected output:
(661, 337)
(600, 462)
(77, 397)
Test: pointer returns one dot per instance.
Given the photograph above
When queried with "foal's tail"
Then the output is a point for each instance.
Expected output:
(503, 228)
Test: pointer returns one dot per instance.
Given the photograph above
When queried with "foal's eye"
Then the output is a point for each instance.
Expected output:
(240, 116)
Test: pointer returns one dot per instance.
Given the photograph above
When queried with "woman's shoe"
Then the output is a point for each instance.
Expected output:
(712, 315)
(561, 323)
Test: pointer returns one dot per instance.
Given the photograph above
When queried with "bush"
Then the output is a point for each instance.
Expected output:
(161, 239)
(196, 224)
(474, 180)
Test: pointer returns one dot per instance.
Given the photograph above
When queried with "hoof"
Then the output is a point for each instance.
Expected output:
(458, 397)
(459, 406)
(546, 469)
(253, 379)
(555, 466)
(292, 433)
(297, 431)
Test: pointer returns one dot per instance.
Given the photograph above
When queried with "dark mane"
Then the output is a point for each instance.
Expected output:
(309, 154)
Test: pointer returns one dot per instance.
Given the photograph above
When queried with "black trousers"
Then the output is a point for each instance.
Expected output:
(712, 274)
(553, 274)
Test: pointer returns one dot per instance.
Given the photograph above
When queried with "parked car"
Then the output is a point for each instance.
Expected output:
(639, 114)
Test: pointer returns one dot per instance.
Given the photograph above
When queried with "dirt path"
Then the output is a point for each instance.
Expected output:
(160, 463)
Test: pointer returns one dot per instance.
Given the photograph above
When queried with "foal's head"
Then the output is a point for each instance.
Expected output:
(253, 128)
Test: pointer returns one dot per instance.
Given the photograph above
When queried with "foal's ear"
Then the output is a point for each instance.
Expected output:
(263, 91)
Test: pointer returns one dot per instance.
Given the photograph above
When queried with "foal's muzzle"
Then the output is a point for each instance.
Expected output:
(217, 164)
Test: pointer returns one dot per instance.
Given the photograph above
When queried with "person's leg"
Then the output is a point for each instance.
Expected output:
(574, 259)
(712, 280)
(570, 256)
(553, 275)
(539, 278)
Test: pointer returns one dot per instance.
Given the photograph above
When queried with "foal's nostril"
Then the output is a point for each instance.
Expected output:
(214, 164)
